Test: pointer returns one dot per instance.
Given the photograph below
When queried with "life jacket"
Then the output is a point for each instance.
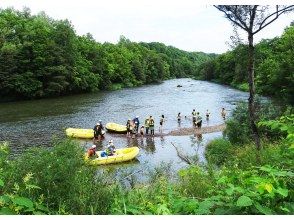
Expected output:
(147, 123)
(91, 152)
(151, 122)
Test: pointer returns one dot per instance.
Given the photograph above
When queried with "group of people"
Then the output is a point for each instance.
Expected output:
(109, 150)
(133, 126)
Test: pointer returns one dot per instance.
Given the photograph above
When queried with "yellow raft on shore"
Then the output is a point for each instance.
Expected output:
(121, 155)
(79, 133)
(116, 128)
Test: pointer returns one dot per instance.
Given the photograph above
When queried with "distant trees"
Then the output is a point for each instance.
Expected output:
(274, 67)
(42, 57)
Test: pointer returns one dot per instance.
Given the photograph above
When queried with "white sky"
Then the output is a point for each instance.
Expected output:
(185, 24)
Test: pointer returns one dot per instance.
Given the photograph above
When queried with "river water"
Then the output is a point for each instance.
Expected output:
(35, 123)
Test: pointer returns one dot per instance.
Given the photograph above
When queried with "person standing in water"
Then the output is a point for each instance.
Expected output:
(161, 123)
(151, 125)
(207, 115)
(179, 117)
(198, 121)
(223, 113)
(194, 115)
(146, 125)
(129, 129)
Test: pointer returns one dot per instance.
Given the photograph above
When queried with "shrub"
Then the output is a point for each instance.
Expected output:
(67, 183)
(218, 151)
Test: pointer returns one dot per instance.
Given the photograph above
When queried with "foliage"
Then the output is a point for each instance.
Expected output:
(285, 125)
(238, 127)
(11, 200)
(274, 67)
(64, 180)
(42, 57)
(218, 151)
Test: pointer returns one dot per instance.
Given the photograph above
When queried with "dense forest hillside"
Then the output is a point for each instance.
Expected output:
(43, 57)
(274, 67)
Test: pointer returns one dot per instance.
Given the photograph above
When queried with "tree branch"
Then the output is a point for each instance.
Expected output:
(277, 13)
(245, 28)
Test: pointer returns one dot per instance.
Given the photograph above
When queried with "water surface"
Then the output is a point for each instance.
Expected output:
(33, 123)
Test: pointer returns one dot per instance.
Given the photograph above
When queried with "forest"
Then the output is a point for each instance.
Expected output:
(274, 67)
(43, 57)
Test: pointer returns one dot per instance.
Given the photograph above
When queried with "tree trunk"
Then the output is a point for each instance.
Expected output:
(251, 103)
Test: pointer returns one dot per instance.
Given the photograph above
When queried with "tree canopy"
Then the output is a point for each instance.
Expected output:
(43, 57)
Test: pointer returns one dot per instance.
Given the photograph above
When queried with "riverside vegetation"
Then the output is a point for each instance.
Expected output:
(274, 67)
(238, 178)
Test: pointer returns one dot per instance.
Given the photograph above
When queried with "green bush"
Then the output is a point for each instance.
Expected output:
(66, 182)
(218, 151)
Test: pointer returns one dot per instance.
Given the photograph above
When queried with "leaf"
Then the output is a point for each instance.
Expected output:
(269, 187)
(42, 208)
(230, 191)
(283, 192)
(1, 183)
(204, 207)
(244, 201)
(263, 209)
(22, 201)
(7, 211)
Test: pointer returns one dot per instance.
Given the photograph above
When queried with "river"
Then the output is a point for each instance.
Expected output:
(35, 123)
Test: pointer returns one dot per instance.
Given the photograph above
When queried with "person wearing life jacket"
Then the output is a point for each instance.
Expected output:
(194, 115)
(96, 131)
(92, 151)
(110, 148)
(151, 125)
(146, 126)
(137, 123)
(129, 128)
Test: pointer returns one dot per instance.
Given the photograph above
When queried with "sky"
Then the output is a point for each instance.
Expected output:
(185, 24)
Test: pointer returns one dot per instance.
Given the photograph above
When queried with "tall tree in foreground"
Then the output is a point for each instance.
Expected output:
(252, 19)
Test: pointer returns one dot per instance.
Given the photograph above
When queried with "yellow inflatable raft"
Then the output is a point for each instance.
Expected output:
(79, 133)
(116, 128)
(121, 155)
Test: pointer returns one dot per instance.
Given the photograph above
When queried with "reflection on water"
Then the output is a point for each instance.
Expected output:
(35, 123)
